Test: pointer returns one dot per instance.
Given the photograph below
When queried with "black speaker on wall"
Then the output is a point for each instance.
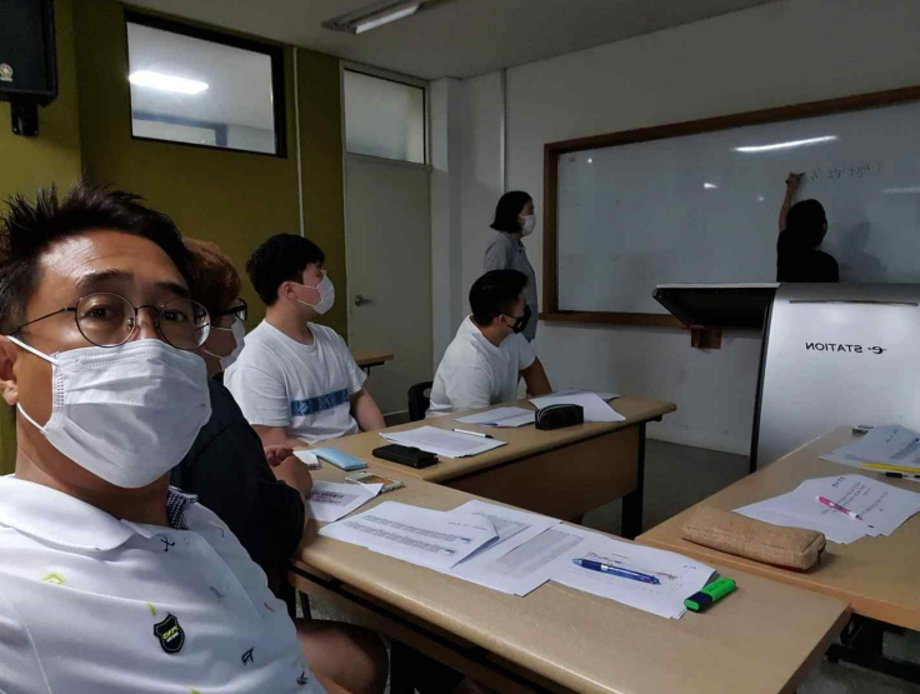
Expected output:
(28, 60)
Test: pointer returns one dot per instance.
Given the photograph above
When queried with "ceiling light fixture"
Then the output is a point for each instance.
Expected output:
(377, 15)
(786, 145)
(167, 83)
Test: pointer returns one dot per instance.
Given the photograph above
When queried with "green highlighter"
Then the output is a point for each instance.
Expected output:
(716, 590)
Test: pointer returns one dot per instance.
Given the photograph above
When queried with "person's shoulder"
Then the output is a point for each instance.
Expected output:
(224, 409)
(328, 337)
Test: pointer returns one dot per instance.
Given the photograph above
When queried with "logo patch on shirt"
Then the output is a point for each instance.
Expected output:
(321, 403)
(170, 634)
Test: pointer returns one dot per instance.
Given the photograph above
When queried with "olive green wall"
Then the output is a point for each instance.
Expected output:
(29, 162)
(235, 199)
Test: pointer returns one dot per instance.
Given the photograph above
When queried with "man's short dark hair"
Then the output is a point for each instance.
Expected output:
(806, 220)
(495, 293)
(29, 228)
(282, 258)
(507, 210)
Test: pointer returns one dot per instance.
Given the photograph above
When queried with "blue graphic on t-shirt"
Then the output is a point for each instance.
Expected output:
(321, 403)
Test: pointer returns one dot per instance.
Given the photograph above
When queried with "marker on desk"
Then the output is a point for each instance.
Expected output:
(901, 475)
(473, 433)
(615, 571)
(837, 507)
(714, 591)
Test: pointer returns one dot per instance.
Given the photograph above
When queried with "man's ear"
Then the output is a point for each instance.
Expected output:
(8, 383)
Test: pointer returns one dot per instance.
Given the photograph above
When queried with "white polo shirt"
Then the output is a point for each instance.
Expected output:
(93, 604)
(476, 373)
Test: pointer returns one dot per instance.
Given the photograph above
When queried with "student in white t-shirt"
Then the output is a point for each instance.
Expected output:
(489, 355)
(296, 381)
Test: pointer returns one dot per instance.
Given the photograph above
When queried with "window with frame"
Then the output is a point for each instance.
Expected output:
(204, 88)
(384, 117)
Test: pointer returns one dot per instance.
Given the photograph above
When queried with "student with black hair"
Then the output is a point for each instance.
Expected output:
(483, 364)
(295, 381)
(802, 228)
(514, 219)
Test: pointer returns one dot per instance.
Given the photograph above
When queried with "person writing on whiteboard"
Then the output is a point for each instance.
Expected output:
(489, 355)
(802, 228)
(514, 219)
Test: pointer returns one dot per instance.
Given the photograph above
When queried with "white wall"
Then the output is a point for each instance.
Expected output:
(774, 55)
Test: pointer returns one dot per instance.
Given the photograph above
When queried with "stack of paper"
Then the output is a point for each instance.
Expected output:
(596, 410)
(603, 395)
(420, 536)
(516, 552)
(881, 507)
(329, 501)
(501, 417)
(667, 579)
(441, 442)
(889, 447)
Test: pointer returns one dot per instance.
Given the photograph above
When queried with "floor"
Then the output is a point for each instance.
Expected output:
(678, 477)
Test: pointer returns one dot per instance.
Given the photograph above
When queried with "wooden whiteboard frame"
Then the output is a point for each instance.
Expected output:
(553, 150)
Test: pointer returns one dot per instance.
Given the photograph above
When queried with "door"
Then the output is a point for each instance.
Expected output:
(388, 250)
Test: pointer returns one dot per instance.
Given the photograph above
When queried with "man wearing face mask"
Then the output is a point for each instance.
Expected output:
(514, 219)
(110, 580)
(297, 381)
(483, 364)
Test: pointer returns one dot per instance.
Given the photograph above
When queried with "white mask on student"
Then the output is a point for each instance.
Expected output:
(126, 414)
(239, 335)
(326, 295)
(530, 223)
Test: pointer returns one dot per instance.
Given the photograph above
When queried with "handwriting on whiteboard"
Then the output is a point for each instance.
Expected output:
(837, 173)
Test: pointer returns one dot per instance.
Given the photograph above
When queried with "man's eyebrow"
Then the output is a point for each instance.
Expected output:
(174, 288)
(88, 283)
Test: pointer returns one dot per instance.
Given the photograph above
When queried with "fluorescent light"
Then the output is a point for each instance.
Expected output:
(167, 83)
(710, 186)
(590, 160)
(386, 18)
(760, 198)
(786, 145)
(896, 191)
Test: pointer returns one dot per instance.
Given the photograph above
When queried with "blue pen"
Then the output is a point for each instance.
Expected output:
(614, 571)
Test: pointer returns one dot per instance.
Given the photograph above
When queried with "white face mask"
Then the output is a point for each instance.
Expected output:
(126, 414)
(530, 223)
(326, 295)
(239, 334)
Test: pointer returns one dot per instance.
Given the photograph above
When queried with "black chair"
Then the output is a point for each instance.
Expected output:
(419, 400)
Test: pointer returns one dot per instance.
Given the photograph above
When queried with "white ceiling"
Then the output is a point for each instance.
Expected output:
(460, 38)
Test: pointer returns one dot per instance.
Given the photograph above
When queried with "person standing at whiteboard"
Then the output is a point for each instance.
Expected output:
(802, 228)
(514, 219)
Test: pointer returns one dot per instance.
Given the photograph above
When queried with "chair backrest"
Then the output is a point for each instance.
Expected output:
(419, 400)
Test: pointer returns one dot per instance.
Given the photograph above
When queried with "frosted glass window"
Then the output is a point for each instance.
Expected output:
(202, 88)
(384, 118)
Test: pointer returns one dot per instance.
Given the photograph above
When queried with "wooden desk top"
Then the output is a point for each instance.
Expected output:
(366, 359)
(522, 442)
(877, 576)
(764, 638)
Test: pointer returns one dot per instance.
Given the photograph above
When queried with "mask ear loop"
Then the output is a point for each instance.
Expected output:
(38, 353)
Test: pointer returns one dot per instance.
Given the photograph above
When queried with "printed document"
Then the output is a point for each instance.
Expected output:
(881, 507)
(516, 531)
(596, 410)
(500, 417)
(329, 501)
(677, 577)
(893, 445)
(603, 395)
(441, 442)
(435, 539)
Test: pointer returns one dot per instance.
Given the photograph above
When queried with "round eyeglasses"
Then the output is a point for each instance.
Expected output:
(110, 320)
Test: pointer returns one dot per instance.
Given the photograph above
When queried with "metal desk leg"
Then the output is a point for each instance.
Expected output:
(631, 524)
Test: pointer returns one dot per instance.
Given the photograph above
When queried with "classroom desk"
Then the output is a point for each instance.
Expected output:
(368, 360)
(563, 473)
(557, 639)
(876, 576)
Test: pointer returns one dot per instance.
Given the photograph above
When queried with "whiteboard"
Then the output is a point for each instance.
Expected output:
(694, 209)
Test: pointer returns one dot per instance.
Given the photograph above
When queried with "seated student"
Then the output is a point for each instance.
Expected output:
(227, 470)
(297, 381)
(489, 355)
(111, 581)
(802, 228)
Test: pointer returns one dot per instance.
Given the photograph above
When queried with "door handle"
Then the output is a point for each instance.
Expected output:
(362, 300)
